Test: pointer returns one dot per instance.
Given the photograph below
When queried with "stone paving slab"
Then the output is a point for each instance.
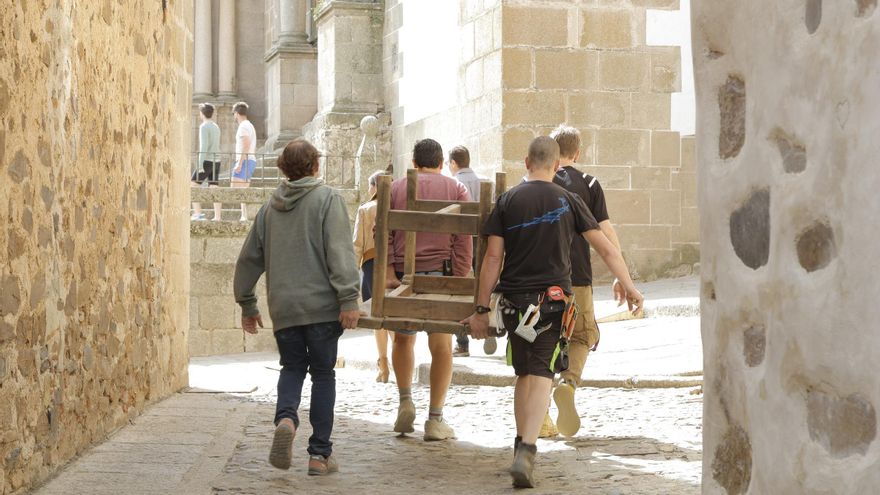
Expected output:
(644, 441)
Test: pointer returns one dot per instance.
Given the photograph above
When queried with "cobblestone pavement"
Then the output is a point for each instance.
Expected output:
(639, 441)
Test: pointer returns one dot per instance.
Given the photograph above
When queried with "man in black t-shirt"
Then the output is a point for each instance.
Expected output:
(586, 332)
(531, 230)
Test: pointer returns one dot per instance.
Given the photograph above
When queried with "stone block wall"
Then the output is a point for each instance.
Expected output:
(473, 118)
(94, 103)
(587, 64)
(787, 99)
(215, 318)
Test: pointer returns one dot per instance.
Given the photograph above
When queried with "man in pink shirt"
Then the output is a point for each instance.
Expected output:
(432, 252)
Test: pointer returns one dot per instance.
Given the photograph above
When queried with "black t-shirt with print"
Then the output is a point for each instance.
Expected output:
(588, 189)
(538, 221)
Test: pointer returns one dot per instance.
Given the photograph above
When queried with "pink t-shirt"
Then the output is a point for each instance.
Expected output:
(432, 249)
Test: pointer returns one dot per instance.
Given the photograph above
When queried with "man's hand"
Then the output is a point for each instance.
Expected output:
(619, 292)
(238, 168)
(635, 301)
(478, 324)
(349, 319)
(391, 281)
(249, 323)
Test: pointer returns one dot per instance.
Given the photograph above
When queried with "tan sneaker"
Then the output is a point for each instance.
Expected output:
(406, 415)
(548, 429)
(320, 465)
(282, 445)
(438, 430)
(569, 422)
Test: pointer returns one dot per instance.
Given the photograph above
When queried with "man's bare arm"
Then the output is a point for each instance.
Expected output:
(616, 288)
(612, 257)
(610, 233)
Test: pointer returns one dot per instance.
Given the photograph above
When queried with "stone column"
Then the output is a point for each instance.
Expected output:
(202, 66)
(226, 48)
(292, 68)
(292, 22)
(350, 71)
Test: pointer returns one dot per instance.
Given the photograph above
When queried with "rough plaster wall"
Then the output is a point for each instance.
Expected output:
(787, 98)
(94, 105)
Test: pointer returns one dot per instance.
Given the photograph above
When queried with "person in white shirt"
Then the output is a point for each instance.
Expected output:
(245, 161)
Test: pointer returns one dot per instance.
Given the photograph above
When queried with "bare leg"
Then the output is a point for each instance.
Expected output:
(241, 183)
(520, 397)
(534, 408)
(197, 209)
(382, 347)
(382, 343)
(440, 345)
(403, 359)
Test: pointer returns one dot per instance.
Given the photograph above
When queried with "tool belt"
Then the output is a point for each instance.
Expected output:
(558, 311)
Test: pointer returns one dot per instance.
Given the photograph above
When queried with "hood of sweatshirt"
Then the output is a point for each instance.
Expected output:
(289, 193)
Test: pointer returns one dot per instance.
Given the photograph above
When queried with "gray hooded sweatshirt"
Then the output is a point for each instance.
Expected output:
(301, 239)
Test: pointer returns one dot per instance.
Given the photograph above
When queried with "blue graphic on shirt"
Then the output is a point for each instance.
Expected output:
(552, 216)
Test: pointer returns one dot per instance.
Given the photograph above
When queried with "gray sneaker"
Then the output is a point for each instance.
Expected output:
(522, 470)
(490, 345)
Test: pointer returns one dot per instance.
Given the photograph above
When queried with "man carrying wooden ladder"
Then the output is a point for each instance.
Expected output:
(432, 252)
(531, 229)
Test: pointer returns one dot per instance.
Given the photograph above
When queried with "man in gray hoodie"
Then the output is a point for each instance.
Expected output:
(301, 239)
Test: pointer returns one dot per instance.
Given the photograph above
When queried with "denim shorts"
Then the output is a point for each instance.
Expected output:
(400, 276)
(247, 170)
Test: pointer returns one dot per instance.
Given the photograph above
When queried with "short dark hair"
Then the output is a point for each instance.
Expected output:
(461, 155)
(207, 110)
(299, 159)
(543, 152)
(428, 153)
(241, 108)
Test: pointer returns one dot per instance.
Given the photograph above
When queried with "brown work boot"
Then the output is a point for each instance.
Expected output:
(320, 465)
(282, 444)
(461, 351)
(522, 470)
(382, 363)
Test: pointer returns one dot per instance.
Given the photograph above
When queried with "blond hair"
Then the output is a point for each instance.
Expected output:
(569, 140)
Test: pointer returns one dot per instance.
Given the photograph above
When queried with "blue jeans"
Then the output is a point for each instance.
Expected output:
(309, 348)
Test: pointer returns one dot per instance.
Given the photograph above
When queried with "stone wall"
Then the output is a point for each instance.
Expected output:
(589, 66)
(787, 98)
(94, 104)
(215, 318)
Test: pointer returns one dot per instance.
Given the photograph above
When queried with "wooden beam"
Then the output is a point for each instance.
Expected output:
(401, 291)
(409, 250)
(434, 205)
(456, 209)
(440, 223)
(413, 325)
(380, 265)
(432, 284)
(409, 307)
(500, 184)
(482, 240)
